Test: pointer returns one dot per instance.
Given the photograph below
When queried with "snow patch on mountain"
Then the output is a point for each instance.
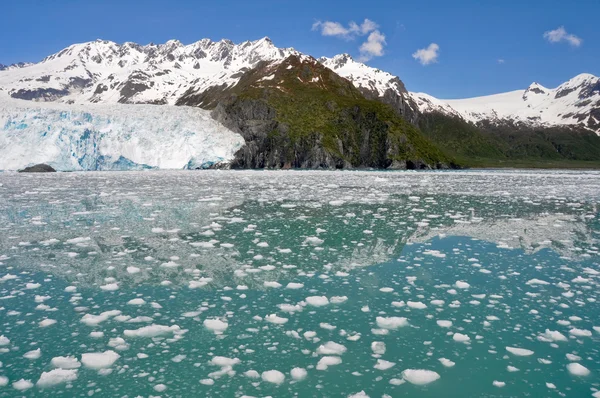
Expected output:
(575, 102)
(108, 137)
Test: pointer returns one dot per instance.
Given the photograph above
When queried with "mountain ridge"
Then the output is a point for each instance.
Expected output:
(536, 122)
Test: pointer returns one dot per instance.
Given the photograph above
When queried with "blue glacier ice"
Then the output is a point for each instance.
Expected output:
(111, 137)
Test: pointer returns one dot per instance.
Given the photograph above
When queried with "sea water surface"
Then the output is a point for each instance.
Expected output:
(300, 283)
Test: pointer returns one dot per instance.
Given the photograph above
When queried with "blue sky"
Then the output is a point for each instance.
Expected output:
(483, 47)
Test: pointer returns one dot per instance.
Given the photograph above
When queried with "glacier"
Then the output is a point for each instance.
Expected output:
(111, 137)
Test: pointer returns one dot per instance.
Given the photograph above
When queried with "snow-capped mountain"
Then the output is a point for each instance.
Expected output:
(374, 83)
(106, 72)
(575, 102)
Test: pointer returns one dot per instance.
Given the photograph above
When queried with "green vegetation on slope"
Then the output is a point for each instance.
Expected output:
(511, 145)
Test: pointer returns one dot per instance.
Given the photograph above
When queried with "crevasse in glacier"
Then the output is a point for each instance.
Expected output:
(111, 137)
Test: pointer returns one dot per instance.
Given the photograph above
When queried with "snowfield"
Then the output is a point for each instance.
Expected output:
(111, 137)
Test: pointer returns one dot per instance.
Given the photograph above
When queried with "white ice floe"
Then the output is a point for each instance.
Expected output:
(393, 322)
(34, 354)
(446, 362)
(22, 385)
(56, 376)
(383, 364)
(298, 374)
(273, 318)
(152, 331)
(331, 348)
(444, 324)
(328, 361)
(461, 338)
(577, 369)
(520, 352)
(273, 376)
(215, 325)
(65, 362)
(317, 301)
(293, 285)
(420, 376)
(99, 360)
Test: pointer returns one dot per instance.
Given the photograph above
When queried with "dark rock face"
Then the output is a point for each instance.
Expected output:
(44, 94)
(269, 144)
(38, 168)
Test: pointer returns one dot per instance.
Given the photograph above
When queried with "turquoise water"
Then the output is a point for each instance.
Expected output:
(503, 256)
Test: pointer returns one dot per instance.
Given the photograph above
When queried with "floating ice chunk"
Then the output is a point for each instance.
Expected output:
(3, 379)
(536, 282)
(420, 377)
(152, 331)
(338, 299)
(136, 301)
(328, 361)
(216, 325)
(386, 290)
(573, 357)
(314, 241)
(273, 376)
(133, 270)
(336, 202)
(110, 287)
(462, 285)
(32, 286)
(273, 318)
(580, 332)
(290, 307)
(47, 322)
(446, 362)
(331, 348)
(499, 384)
(438, 303)
(553, 335)
(360, 394)
(224, 361)
(207, 382)
(34, 354)
(274, 285)
(160, 388)
(416, 305)
(520, 352)
(383, 364)
(253, 374)
(378, 347)
(56, 376)
(93, 320)
(444, 324)
(393, 322)
(298, 374)
(317, 301)
(577, 369)
(4, 340)
(65, 362)
(70, 289)
(22, 385)
(99, 360)
(461, 338)
(199, 283)
(293, 285)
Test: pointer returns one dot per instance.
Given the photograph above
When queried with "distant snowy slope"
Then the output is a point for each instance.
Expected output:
(575, 102)
(104, 137)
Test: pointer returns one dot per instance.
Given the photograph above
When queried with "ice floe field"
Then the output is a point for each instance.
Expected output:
(300, 283)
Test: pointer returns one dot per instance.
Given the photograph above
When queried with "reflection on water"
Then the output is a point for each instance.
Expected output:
(194, 283)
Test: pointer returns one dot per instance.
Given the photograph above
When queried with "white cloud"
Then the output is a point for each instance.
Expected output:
(329, 28)
(427, 55)
(559, 35)
(501, 61)
(373, 47)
